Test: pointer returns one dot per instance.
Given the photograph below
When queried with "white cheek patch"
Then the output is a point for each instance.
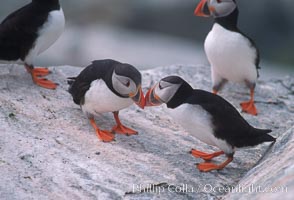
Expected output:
(119, 84)
(223, 9)
(167, 90)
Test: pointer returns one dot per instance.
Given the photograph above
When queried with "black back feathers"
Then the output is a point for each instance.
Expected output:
(100, 69)
(227, 123)
(19, 30)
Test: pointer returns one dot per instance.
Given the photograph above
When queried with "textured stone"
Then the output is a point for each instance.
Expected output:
(48, 150)
(273, 177)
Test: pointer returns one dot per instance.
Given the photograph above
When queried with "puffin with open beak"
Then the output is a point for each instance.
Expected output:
(233, 56)
(208, 117)
(107, 86)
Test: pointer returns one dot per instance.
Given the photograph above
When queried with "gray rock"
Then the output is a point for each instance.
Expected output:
(273, 177)
(48, 150)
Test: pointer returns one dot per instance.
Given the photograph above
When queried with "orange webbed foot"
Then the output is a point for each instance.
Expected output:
(45, 83)
(36, 73)
(205, 156)
(121, 129)
(249, 107)
(41, 71)
(208, 166)
(104, 135)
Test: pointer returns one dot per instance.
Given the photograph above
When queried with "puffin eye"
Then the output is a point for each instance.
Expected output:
(163, 84)
(160, 87)
(128, 83)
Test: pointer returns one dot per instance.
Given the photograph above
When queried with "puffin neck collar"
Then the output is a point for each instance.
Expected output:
(229, 22)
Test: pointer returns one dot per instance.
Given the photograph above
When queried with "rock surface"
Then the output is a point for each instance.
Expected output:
(48, 149)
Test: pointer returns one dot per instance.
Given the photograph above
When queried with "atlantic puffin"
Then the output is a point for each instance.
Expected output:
(29, 31)
(107, 86)
(233, 56)
(208, 117)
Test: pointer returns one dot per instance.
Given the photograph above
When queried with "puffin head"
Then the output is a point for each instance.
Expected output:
(215, 8)
(171, 90)
(126, 81)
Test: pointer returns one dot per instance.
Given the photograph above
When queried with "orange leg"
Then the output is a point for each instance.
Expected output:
(214, 91)
(205, 156)
(121, 129)
(249, 106)
(103, 135)
(208, 166)
(40, 72)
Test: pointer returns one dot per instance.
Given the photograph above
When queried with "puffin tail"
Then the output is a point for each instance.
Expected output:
(255, 136)
(263, 136)
(70, 82)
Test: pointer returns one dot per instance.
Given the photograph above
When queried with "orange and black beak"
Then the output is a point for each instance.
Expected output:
(202, 10)
(139, 98)
(151, 98)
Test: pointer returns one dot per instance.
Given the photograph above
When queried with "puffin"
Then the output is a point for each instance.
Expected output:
(107, 86)
(29, 31)
(208, 117)
(233, 56)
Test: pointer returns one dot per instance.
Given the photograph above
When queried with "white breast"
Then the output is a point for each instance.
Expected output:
(197, 121)
(100, 99)
(48, 34)
(230, 54)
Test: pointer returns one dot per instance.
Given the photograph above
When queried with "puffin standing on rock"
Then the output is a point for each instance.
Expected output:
(107, 86)
(208, 117)
(232, 55)
(29, 31)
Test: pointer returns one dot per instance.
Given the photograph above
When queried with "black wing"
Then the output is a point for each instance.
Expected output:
(79, 85)
(228, 124)
(19, 30)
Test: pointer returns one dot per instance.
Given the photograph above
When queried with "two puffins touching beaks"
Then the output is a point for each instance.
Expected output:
(110, 86)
